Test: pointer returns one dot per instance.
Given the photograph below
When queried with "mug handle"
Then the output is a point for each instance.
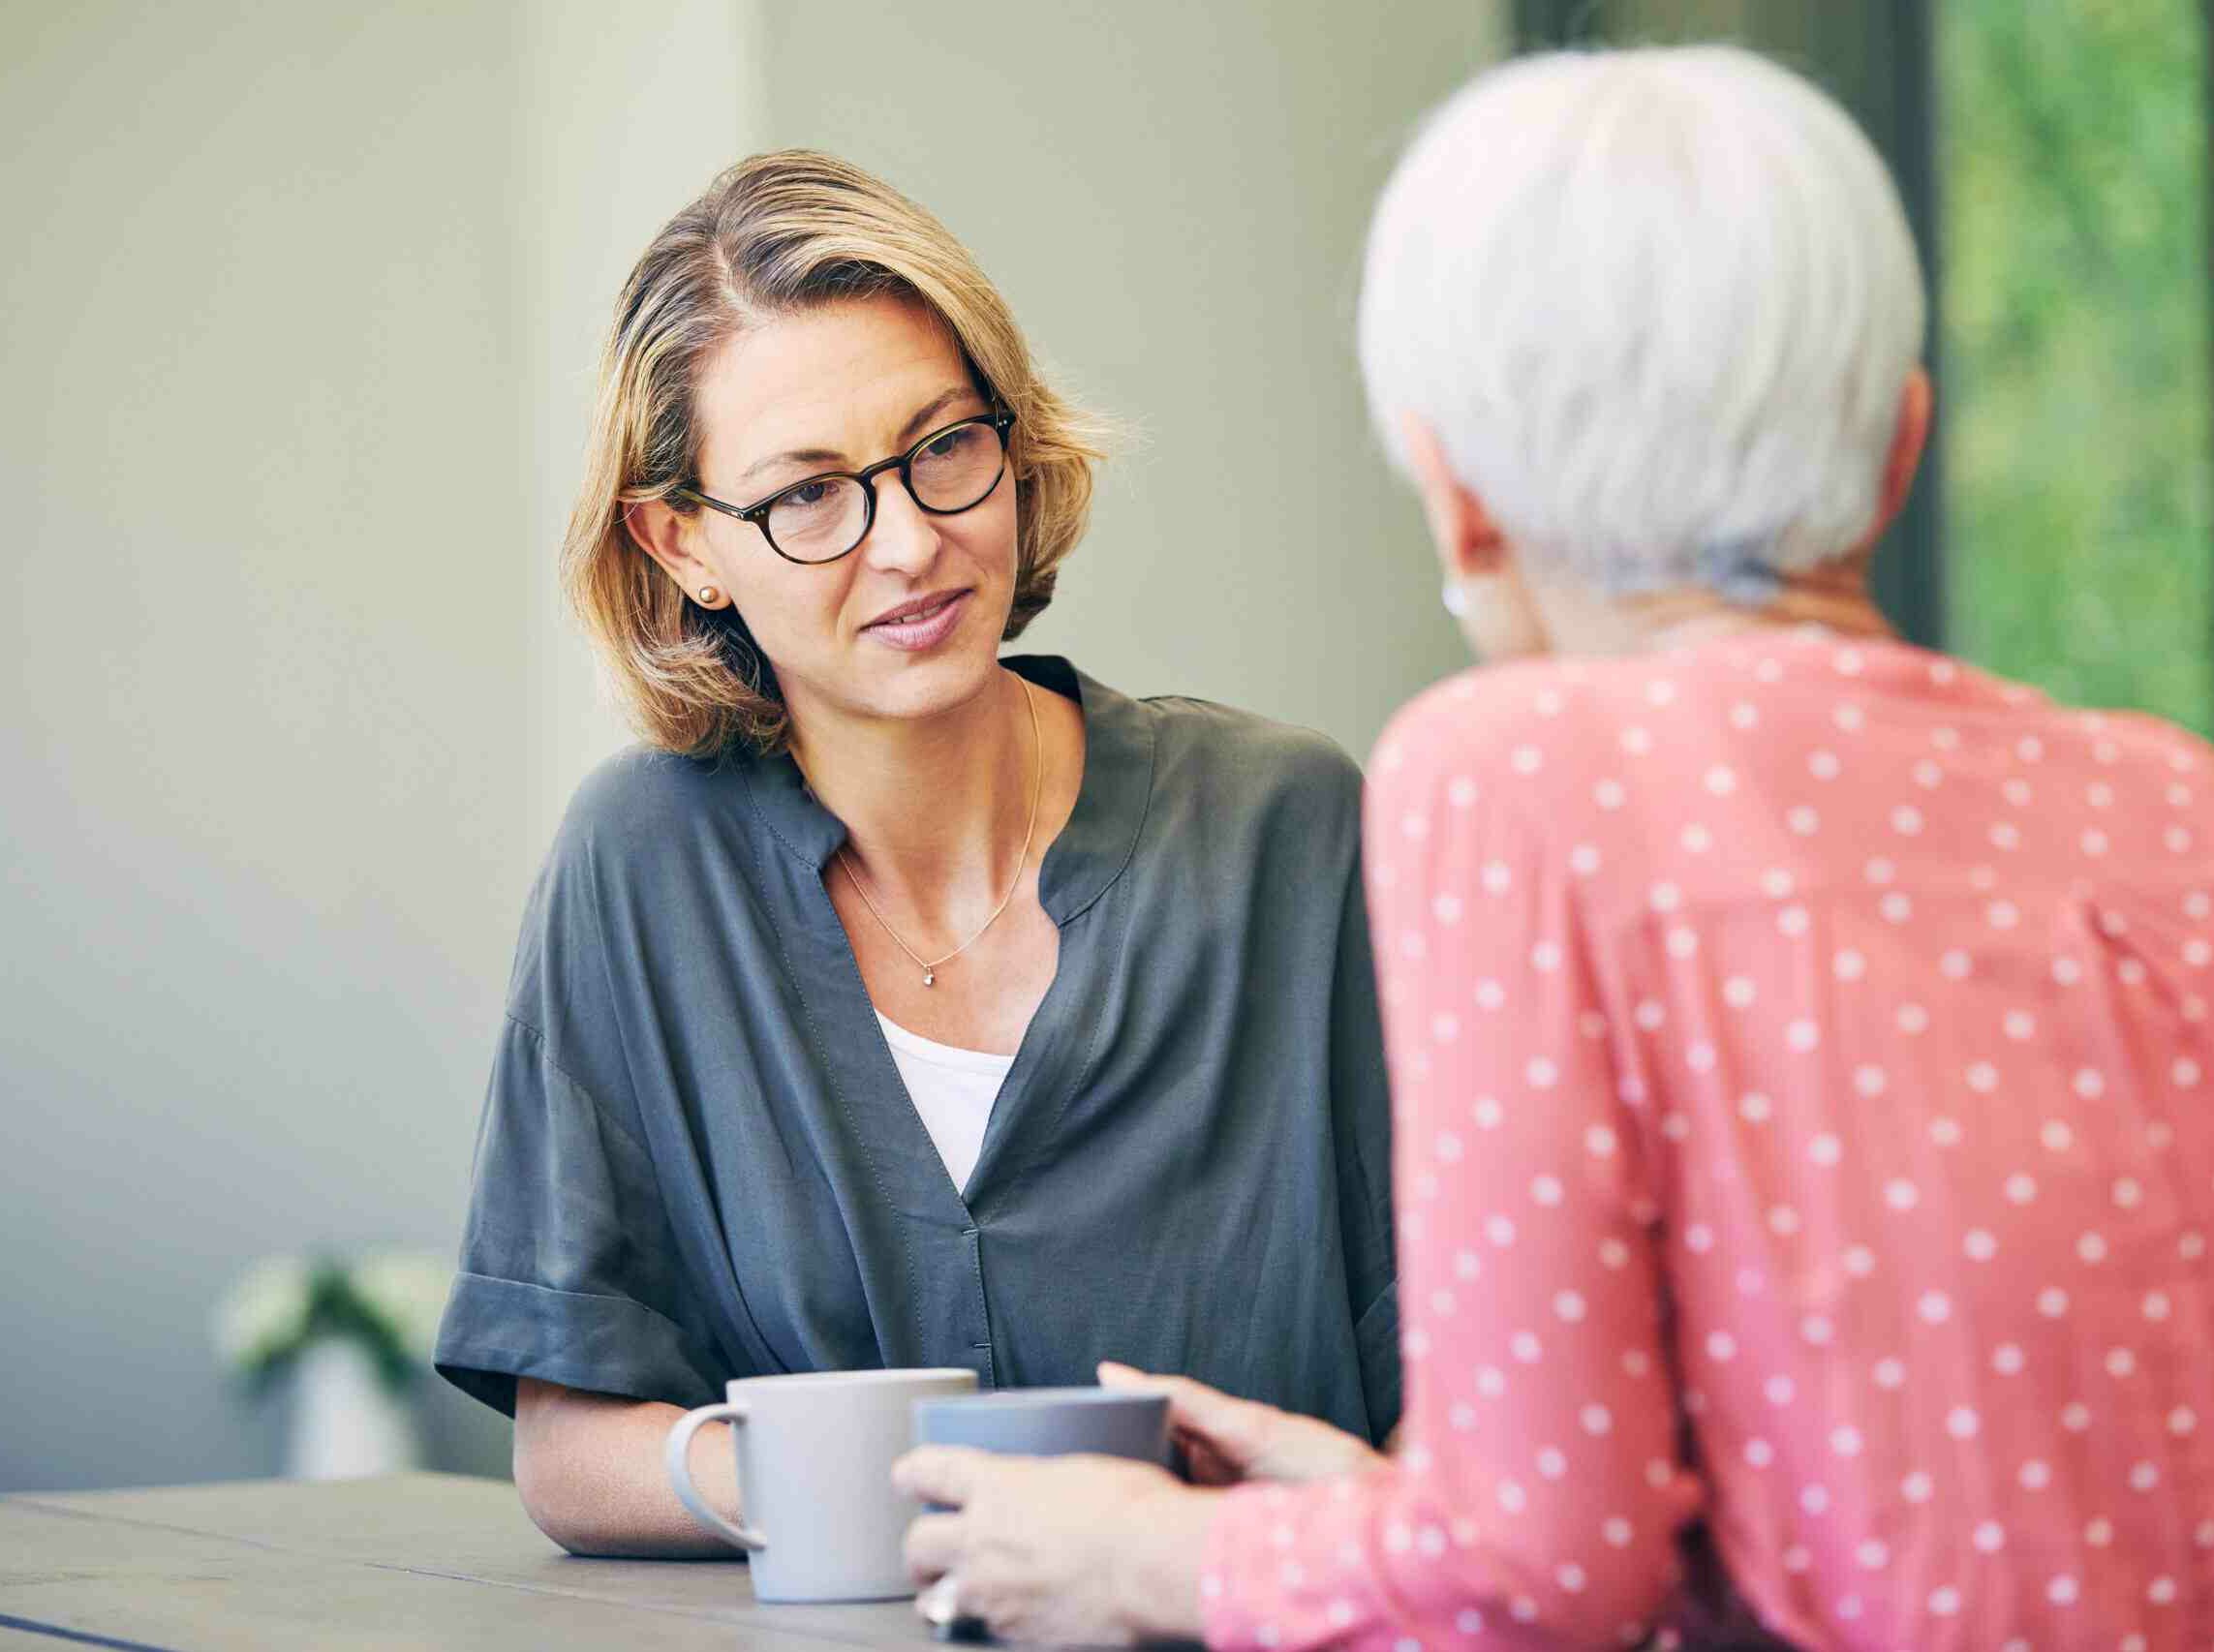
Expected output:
(677, 1456)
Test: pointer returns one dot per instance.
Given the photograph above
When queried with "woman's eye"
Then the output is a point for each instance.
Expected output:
(807, 494)
(950, 444)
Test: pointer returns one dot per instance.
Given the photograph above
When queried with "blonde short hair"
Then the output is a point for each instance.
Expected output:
(778, 233)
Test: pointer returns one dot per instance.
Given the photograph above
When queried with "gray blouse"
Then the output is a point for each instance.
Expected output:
(697, 1162)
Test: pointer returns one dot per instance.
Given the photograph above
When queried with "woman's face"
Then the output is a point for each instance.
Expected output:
(839, 388)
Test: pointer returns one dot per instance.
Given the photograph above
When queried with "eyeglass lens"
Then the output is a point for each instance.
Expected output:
(950, 472)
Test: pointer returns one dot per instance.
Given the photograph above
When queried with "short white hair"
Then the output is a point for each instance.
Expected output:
(1659, 307)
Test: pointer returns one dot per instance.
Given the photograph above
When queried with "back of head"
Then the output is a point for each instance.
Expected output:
(1659, 307)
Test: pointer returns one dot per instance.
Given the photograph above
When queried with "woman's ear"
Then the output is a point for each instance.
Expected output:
(657, 530)
(1467, 542)
(1909, 438)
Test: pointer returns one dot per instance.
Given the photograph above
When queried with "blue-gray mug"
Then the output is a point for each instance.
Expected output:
(1050, 1423)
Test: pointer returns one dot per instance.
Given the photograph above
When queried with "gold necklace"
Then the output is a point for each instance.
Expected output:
(1037, 786)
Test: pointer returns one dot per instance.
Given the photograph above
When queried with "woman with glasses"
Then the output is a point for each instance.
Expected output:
(1802, 1043)
(896, 1004)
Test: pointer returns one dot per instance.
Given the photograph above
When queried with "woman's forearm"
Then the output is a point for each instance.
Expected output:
(588, 1468)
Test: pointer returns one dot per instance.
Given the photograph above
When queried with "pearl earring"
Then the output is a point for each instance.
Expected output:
(708, 596)
(1455, 597)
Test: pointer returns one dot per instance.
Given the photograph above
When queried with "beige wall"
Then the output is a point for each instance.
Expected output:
(1173, 196)
(295, 336)
(296, 319)
(618, 129)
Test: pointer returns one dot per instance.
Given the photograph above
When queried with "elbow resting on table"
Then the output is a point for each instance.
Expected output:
(597, 1519)
(551, 1499)
(589, 1472)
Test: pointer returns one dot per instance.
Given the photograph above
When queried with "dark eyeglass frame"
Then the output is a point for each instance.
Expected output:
(758, 513)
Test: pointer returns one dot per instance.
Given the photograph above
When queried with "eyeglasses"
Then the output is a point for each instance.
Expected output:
(826, 516)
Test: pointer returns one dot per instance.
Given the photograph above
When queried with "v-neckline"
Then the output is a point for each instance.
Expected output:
(1094, 843)
(1011, 1085)
(1079, 867)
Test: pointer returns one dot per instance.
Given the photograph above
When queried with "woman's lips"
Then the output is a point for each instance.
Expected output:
(918, 631)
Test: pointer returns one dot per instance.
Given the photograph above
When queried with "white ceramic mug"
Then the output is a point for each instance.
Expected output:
(814, 1478)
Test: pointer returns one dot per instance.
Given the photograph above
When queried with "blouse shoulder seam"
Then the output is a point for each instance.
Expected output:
(537, 1036)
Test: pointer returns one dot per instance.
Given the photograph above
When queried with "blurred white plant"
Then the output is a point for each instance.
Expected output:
(387, 1302)
(407, 1289)
(263, 1314)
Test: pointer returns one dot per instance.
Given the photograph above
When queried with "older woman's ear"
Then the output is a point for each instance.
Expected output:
(1908, 440)
(1469, 545)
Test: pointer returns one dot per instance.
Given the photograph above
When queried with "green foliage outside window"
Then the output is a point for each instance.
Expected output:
(2079, 508)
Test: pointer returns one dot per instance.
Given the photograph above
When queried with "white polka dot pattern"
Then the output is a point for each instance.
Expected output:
(1856, 1004)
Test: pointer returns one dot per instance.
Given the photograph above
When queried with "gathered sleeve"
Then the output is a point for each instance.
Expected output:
(1537, 1492)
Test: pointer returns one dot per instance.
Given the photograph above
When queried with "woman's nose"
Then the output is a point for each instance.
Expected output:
(903, 539)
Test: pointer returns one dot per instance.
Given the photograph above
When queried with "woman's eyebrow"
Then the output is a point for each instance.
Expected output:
(913, 428)
(929, 410)
(792, 456)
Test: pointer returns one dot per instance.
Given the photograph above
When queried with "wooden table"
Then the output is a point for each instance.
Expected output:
(420, 1560)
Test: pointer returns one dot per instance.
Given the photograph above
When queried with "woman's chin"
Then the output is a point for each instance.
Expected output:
(943, 686)
(915, 687)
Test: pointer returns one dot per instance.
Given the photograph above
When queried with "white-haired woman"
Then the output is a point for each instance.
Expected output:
(1801, 1041)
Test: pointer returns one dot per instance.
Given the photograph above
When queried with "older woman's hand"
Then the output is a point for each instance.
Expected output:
(1078, 1549)
(1226, 1440)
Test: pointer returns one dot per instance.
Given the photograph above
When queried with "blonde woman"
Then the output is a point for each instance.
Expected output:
(897, 1003)
(1801, 1042)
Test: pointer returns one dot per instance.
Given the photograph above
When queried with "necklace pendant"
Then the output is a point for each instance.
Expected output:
(929, 979)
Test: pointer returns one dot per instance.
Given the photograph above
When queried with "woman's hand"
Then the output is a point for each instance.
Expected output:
(1226, 1440)
(1081, 1551)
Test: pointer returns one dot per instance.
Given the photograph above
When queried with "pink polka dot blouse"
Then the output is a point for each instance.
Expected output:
(1804, 1066)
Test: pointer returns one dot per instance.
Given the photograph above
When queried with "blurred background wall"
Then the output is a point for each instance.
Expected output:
(296, 329)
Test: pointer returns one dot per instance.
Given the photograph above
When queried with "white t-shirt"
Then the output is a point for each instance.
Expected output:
(953, 1089)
